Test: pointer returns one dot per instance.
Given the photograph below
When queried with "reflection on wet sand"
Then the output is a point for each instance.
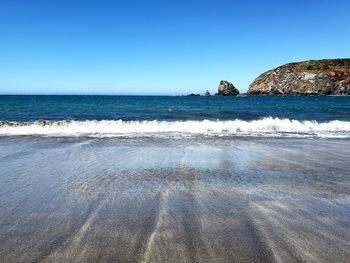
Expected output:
(162, 200)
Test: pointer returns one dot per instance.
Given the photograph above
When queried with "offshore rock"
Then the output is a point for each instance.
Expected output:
(313, 77)
(227, 89)
(207, 93)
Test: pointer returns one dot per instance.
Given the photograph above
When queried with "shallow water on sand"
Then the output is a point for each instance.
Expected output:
(174, 200)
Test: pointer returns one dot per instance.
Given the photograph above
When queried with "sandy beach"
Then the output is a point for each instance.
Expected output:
(174, 200)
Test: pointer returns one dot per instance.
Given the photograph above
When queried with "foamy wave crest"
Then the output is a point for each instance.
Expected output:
(106, 128)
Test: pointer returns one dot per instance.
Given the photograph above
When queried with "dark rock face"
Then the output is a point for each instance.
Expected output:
(193, 95)
(227, 89)
(313, 77)
(207, 93)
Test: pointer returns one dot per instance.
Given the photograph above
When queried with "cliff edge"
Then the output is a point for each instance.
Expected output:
(313, 77)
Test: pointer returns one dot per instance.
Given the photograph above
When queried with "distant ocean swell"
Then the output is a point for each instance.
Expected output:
(269, 127)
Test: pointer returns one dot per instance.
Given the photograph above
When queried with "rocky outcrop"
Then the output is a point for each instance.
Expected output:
(207, 93)
(227, 89)
(193, 95)
(313, 77)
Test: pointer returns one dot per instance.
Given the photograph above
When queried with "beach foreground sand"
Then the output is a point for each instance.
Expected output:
(174, 200)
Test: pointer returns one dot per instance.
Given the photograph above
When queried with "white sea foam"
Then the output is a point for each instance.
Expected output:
(107, 128)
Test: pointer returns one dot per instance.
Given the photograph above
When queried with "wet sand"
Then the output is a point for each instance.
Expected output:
(174, 200)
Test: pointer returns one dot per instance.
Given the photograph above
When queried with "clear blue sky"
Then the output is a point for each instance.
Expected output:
(160, 47)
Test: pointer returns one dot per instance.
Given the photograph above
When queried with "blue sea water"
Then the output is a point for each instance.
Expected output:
(140, 115)
(167, 108)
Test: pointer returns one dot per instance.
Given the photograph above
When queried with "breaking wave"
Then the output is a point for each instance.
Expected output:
(269, 127)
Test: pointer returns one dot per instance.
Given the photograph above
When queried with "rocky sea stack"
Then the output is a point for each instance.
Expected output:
(313, 77)
(227, 89)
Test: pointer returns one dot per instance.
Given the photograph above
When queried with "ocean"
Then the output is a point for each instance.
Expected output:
(147, 115)
(174, 179)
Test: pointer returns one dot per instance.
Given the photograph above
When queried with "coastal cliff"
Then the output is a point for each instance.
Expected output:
(313, 77)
